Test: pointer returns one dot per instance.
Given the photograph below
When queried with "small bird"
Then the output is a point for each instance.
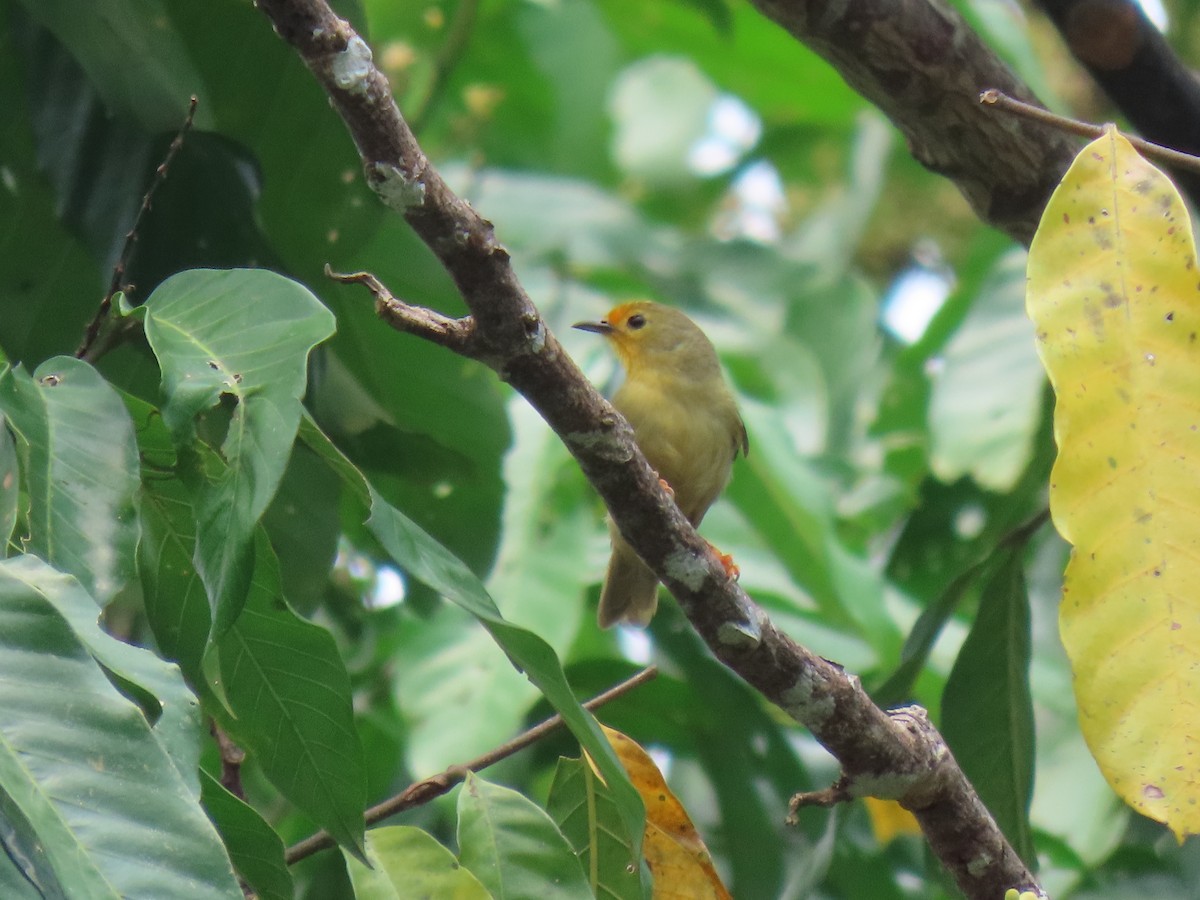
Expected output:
(685, 421)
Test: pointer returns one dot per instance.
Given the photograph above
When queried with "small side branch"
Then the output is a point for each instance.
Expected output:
(1157, 152)
(826, 798)
(421, 792)
(453, 334)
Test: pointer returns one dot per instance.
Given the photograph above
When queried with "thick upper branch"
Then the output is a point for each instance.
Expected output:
(898, 756)
(923, 66)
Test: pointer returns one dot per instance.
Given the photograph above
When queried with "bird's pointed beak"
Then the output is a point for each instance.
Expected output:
(597, 327)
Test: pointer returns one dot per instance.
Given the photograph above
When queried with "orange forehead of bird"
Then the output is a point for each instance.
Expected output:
(628, 316)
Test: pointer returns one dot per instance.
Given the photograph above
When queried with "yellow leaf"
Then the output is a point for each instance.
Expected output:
(1114, 296)
(677, 857)
(890, 820)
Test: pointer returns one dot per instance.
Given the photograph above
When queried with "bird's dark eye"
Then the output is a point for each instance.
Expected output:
(636, 321)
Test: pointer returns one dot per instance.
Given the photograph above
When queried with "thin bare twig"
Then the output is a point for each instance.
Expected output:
(422, 792)
(1164, 155)
(118, 273)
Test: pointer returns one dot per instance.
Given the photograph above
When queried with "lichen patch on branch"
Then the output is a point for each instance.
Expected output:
(351, 68)
(400, 191)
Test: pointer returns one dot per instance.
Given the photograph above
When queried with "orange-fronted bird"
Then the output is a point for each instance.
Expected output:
(686, 422)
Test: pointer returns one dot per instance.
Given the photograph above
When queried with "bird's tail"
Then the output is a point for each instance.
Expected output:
(630, 592)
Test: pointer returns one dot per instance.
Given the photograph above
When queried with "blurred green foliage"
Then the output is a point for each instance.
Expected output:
(686, 150)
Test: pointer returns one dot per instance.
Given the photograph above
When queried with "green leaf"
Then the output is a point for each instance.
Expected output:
(80, 465)
(254, 846)
(513, 847)
(898, 688)
(987, 709)
(25, 870)
(986, 402)
(244, 334)
(76, 756)
(584, 810)
(173, 595)
(290, 694)
(408, 864)
(132, 55)
(549, 514)
(304, 527)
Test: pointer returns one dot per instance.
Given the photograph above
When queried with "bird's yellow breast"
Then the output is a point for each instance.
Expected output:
(689, 431)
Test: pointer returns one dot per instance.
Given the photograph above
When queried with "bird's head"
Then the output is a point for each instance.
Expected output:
(647, 334)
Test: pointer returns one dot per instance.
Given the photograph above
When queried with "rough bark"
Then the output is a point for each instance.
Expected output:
(923, 66)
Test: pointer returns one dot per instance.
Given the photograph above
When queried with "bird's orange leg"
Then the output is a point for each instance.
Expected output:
(727, 563)
(662, 482)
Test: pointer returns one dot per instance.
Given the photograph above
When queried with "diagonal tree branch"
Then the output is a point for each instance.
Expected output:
(896, 755)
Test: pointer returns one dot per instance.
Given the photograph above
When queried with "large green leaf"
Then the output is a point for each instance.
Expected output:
(513, 846)
(135, 58)
(80, 470)
(76, 756)
(290, 696)
(409, 864)
(270, 660)
(987, 710)
(244, 334)
(254, 847)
